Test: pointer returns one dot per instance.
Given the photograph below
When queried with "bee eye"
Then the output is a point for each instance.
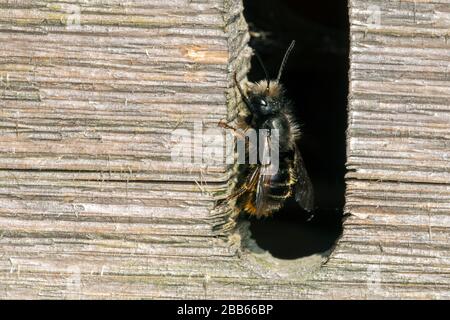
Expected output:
(263, 102)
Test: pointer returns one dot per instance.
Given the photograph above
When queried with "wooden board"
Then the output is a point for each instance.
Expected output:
(91, 205)
(396, 244)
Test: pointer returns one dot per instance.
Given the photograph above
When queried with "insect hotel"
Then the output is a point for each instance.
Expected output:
(92, 205)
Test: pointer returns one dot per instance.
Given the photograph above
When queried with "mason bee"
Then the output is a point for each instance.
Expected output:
(258, 191)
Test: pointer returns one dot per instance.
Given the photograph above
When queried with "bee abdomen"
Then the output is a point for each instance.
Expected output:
(280, 192)
(281, 187)
(282, 183)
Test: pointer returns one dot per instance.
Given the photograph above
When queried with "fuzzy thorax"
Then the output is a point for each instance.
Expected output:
(260, 88)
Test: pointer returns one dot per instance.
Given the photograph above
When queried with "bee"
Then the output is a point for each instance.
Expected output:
(260, 191)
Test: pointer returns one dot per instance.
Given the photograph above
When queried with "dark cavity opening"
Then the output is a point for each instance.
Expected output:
(316, 79)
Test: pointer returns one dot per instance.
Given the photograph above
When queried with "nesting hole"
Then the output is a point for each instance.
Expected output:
(316, 79)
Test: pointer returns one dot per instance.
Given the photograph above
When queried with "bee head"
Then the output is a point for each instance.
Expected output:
(266, 100)
(266, 96)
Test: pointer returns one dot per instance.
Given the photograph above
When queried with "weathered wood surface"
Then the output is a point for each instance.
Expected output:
(90, 94)
(92, 207)
(398, 185)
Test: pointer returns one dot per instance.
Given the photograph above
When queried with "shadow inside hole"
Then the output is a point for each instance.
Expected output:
(316, 80)
(292, 235)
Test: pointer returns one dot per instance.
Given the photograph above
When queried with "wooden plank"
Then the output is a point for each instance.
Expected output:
(87, 112)
(395, 244)
(91, 205)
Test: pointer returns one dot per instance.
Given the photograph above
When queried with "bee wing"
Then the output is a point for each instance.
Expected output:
(262, 189)
(304, 192)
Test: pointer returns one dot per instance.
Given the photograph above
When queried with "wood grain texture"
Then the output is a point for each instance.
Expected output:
(91, 205)
(398, 185)
(91, 92)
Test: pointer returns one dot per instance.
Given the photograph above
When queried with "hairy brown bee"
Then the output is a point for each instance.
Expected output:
(258, 192)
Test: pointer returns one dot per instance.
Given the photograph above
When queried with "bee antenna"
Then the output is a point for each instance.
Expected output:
(264, 69)
(244, 97)
(286, 56)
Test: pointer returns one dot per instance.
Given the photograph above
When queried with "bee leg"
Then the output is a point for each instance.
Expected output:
(232, 196)
(234, 131)
(244, 188)
(224, 124)
(231, 223)
(238, 193)
(248, 184)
